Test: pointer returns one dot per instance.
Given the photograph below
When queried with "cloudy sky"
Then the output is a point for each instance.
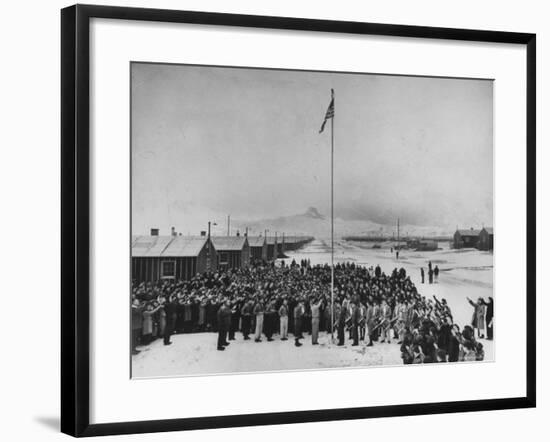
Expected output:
(211, 141)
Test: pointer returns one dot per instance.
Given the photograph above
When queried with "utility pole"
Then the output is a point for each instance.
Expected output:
(208, 257)
(397, 233)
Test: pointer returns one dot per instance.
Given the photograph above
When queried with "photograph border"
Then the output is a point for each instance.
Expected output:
(75, 212)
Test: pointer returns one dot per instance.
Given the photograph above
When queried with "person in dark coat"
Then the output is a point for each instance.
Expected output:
(355, 320)
(170, 308)
(430, 276)
(246, 315)
(187, 316)
(444, 336)
(180, 318)
(195, 307)
(429, 349)
(298, 315)
(372, 318)
(489, 314)
(235, 317)
(342, 317)
(224, 323)
(422, 274)
(271, 317)
(406, 349)
(436, 273)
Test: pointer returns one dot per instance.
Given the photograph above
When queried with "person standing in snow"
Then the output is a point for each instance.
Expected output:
(224, 324)
(298, 315)
(259, 314)
(283, 319)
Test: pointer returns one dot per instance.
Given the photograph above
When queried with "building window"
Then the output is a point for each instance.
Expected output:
(168, 269)
(223, 258)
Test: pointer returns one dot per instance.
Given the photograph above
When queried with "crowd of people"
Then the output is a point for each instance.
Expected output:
(267, 300)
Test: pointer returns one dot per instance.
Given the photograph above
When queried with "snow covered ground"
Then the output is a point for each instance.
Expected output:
(195, 354)
(463, 273)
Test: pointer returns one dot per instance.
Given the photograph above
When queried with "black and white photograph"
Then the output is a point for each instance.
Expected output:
(275, 221)
(299, 220)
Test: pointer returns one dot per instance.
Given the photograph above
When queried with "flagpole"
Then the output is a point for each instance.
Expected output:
(332, 214)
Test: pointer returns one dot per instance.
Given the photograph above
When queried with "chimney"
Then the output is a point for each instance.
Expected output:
(154, 232)
(173, 231)
(203, 232)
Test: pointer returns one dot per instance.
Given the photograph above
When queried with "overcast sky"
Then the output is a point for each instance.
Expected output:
(209, 141)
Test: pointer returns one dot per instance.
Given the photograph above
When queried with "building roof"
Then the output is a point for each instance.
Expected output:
(468, 232)
(271, 239)
(489, 230)
(185, 246)
(229, 243)
(167, 246)
(255, 241)
(150, 246)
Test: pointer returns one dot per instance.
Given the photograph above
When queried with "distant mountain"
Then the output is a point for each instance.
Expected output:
(314, 223)
(312, 212)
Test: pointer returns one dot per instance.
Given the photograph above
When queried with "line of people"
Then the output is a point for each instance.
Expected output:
(433, 274)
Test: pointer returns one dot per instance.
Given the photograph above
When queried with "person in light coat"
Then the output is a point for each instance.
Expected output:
(478, 317)
(259, 314)
(315, 318)
(283, 320)
(147, 331)
(298, 315)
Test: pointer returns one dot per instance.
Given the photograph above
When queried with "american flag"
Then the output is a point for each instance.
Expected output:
(330, 112)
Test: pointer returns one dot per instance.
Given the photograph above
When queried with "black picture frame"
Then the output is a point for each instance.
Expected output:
(75, 212)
